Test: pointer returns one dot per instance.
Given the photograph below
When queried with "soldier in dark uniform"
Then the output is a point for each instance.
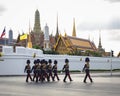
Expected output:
(66, 69)
(28, 70)
(34, 69)
(44, 74)
(86, 69)
(42, 71)
(49, 69)
(55, 70)
(38, 70)
(46, 71)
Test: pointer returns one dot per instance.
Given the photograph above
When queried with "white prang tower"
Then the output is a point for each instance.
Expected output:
(46, 39)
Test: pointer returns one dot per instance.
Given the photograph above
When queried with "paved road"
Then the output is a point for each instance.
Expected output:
(104, 85)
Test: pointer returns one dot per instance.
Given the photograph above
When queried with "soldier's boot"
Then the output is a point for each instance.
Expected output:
(84, 81)
(27, 79)
(91, 80)
(53, 79)
(70, 78)
(64, 80)
(48, 79)
(58, 78)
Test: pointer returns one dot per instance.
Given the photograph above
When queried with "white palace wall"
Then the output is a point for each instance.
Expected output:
(13, 63)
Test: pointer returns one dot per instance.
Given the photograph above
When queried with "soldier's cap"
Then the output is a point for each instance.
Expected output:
(42, 61)
(46, 62)
(55, 62)
(87, 59)
(35, 61)
(49, 61)
(38, 60)
(66, 60)
(28, 62)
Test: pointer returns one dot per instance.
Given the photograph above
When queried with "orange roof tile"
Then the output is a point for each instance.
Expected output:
(82, 43)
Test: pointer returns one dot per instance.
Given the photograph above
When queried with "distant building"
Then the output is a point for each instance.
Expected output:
(46, 39)
(3, 41)
(61, 44)
(42, 38)
(70, 44)
(10, 39)
(37, 35)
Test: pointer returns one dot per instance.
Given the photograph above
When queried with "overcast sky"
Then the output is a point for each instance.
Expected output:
(91, 16)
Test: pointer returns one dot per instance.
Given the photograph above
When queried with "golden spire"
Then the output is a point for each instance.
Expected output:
(65, 33)
(29, 44)
(100, 45)
(74, 30)
(57, 30)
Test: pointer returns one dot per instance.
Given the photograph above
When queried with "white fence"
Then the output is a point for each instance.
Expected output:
(12, 64)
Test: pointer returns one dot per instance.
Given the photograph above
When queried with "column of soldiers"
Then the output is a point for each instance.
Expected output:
(44, 71)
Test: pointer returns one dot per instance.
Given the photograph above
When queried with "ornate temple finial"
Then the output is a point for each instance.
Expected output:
(57, 30)
(100, 45)
(65, 33)
(74, 29)
(29, 43)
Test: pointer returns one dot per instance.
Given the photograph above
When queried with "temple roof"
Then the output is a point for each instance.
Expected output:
(79, 43)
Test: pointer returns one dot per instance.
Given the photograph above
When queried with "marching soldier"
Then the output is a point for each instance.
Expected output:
(44, 70)
(49, 68)
(86, 69)
(55, 71)
(28, 70)
(66, 69)
(38, 70)
(34, 69)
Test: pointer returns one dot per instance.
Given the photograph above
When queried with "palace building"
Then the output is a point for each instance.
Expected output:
(69, 44)
(61, 44)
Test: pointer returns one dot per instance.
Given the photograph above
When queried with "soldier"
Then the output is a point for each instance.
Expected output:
(44, 70)
(38, 70)
(86, 69)
(49, 68)
(55, 70)
(34, 69)
(28, 70)
(66, 69)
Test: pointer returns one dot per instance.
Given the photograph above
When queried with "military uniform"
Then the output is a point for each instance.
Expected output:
(55, 71)
(44, 70)
(66, 69)
(87, 71)
(28, 70)
(34, 69)
(38, 71)
(49, 69)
